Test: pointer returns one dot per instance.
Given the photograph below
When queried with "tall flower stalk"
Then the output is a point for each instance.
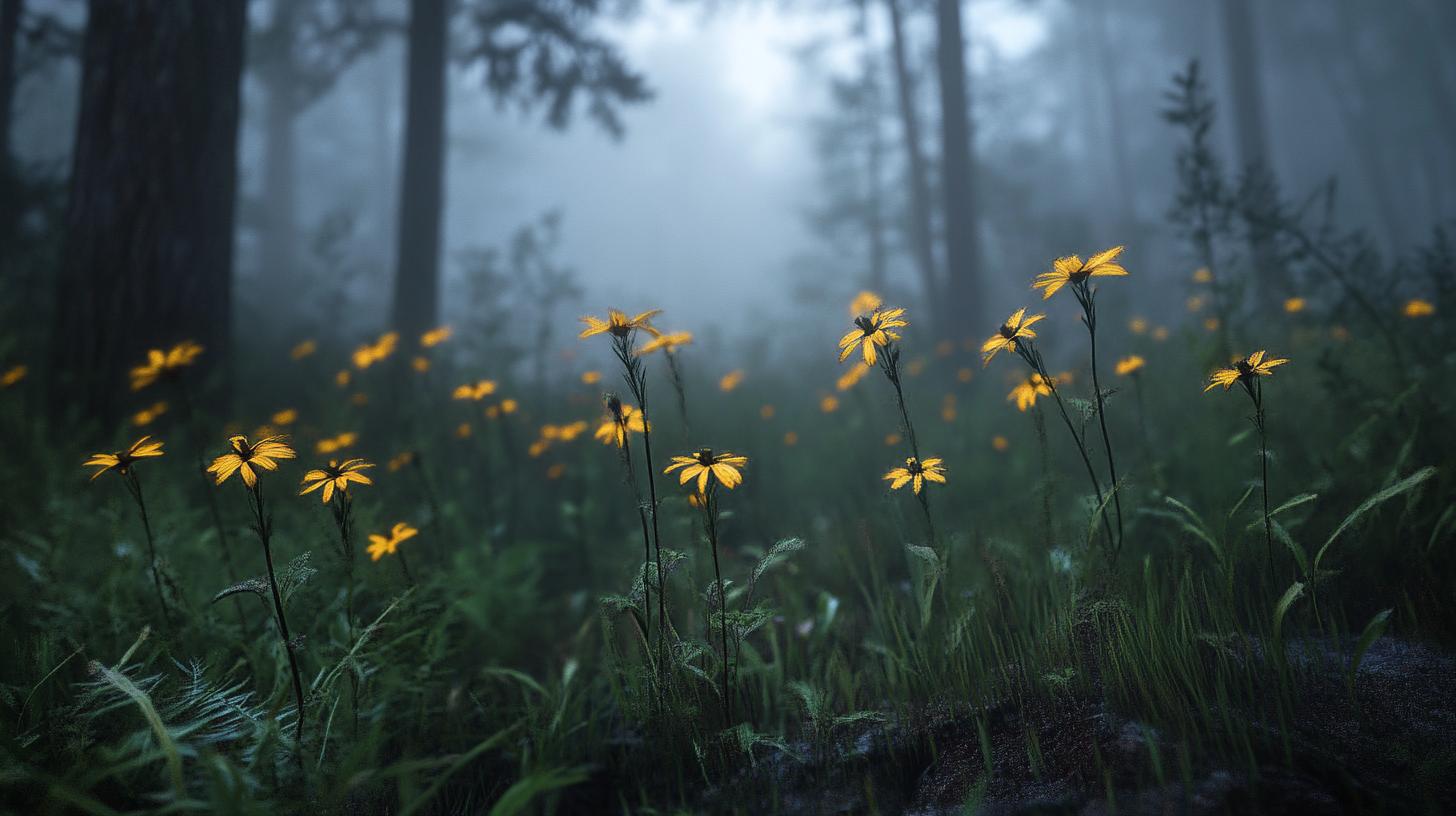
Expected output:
(623, 330)
(709, 470)
(1016, 335)
(123, 464)
(247, 459)
(622, 421)
(1071, 272)
(1246, 372)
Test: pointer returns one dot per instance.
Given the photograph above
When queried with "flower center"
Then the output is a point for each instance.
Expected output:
(705, 456)
(866, 324)
(1007, 332)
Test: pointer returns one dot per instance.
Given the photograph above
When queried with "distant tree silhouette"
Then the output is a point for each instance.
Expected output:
(535, 54)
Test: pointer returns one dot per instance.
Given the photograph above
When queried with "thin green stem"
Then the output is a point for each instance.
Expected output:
(265, 535)
(135, 487)
(710, 522)
(1089, 311)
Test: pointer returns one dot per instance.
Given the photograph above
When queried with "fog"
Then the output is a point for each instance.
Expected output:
(734, 187)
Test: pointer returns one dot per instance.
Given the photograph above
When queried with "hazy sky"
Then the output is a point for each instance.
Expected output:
(700, 202)
(699, 209)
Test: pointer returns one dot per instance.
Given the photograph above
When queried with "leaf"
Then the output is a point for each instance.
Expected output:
(1366, 506)
(295, 575)
(518, 796)
(1297, 501)
(1300, 556)
(1373, 630)
(143, 702)
(1194, 524)
(258, 586)
(1294, 593)
(783, 549)
(925, 554)
(521, 677)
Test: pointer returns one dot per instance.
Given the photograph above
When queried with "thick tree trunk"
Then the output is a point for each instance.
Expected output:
(149, 243)
(10, 11)
(922, 238)
(417, 273)
(963, 304)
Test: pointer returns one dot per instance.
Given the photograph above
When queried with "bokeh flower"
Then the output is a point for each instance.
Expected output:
(380, 546)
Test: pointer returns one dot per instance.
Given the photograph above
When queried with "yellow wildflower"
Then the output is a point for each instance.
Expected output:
(13, 375)
(621, 420)
(121, 461)
(876, 329)
(619, 325)
(1071, 270)
(1294, 305)
(731, 380)
(336, 477)
(1244, 371)
(916, 473)
(245, 457)
(722, 468)
(1016, 328)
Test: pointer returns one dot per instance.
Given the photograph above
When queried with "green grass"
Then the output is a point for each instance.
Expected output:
(513, 675)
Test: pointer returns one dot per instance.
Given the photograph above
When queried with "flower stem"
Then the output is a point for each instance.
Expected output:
(265, 535)
(1089, 310)
(1256, 393)
(136, 493)
(1034, 360)
(710, 523)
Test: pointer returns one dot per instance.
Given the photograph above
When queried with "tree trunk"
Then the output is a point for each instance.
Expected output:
(278, 256)
(922, 239)
(417, 273)
(1242, 54)
(874, 188)
(149, 223)
(1116, 137)
(10, 11)
(962, 305)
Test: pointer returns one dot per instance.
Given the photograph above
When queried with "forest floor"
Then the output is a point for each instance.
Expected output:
(1373, 754)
